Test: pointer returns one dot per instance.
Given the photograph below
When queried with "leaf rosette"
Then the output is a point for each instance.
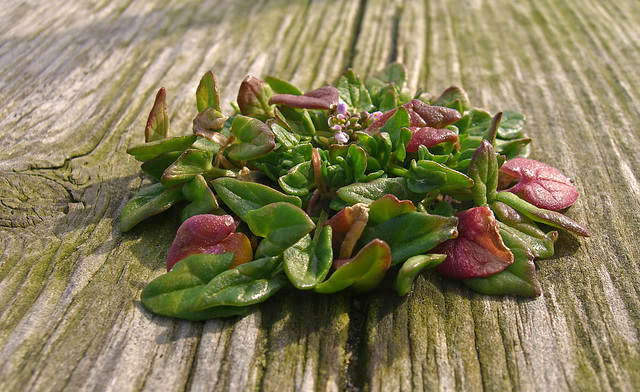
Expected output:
(341, 187)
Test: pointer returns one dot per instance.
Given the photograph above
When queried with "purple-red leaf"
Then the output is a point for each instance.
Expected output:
(158, 122)
(420, 115)
(478, 251)
(325, 98)
(429, 137)
(212, 234)
(253, 97)
(542, 185)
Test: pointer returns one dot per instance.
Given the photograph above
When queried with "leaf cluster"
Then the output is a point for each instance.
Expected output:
(336, 188)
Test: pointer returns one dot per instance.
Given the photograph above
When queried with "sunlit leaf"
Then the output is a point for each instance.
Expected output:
(540, 184)
(157, 127)
(307, 262)
(207, 94)
(174, 293)
(483, 170)
(411, 268)
(244, 285)
(255, 138)
(412, 233)
(253, 98)
(281, 224)
(478, 250)
(519, 278)
(362, 273)
(242, 197)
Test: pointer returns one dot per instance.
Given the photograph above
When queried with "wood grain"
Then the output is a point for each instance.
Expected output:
(77, 80)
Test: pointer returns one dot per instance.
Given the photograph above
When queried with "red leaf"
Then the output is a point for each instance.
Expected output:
(478, 251)
(212, 234)
(420, 115)
(429, 137)
(542, 185)
(325, 98)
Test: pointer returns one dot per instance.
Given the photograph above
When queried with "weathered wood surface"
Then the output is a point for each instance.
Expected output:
(77, 80)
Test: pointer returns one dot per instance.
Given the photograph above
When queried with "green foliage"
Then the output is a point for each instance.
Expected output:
(361, 273)
(281, 224)
(242, 196)
(288, 159)
(519, 278)
(307, 262)
(148, 202)
(174, 293)
(244, 285)
(255, 139)
(411, 234)
(411, 268)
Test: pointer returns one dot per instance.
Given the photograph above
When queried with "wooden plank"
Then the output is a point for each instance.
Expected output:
(76, 84)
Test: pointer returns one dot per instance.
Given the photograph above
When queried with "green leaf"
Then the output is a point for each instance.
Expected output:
(452, 94)
(146, 151)
(422, 178)
(511, 220)
(400, 152)
(388, 99)
(551, 218)
(283, 136)
(157, 127)
(253, 98)
(351, 158)
(371, 191)
(246, 284)
(519, 278)
(203, 201)
(513, 148)
(483, 170)
(362, 273)
(492, 131)
(479, 123)
(353, 92)
(256, 139)
(512, 125)
(208, 124)
(411, 268)
(296, 120)
(394, 75)
(299, 180)
(280, 86)
(281, 224)
(155, 167)
(242, 196)
(454, 180)
(207, 95)
(189, 164)
(148, 202)
(412, 234)
(173, 294)
(378, 148)
(307, 262)
(387, 207)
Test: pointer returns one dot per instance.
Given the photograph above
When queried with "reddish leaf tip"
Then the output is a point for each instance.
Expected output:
(478, 251)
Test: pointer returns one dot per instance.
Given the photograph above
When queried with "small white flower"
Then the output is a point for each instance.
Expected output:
(341, 137)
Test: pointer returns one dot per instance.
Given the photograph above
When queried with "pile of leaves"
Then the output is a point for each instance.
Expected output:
(338, 187)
